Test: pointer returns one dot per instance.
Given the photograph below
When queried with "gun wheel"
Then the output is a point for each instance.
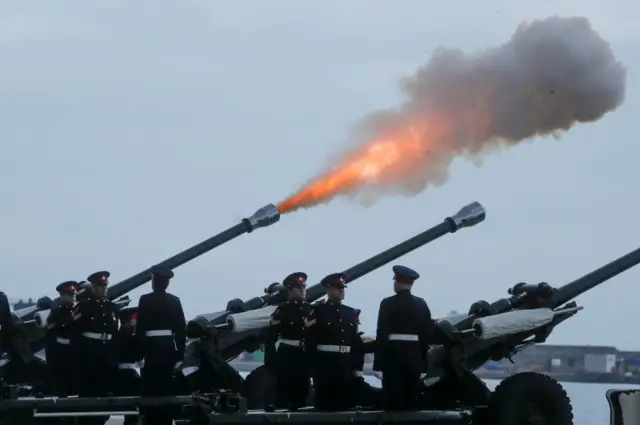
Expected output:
(530, 398)
(258, 388)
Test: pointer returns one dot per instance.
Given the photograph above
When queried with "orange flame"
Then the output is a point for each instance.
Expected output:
(376, 163)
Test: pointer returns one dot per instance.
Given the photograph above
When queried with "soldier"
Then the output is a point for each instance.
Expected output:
(402, 342)
(13, 342)
(128, 378)
(288, 363)
(332, 346)
(59, 352)
(7, 327)
(95, 337)
(161, 335)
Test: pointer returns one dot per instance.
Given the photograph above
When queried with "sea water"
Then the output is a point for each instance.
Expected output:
(589, 403)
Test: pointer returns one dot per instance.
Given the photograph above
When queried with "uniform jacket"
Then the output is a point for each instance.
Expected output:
(59, 335)
(160, 310)
(289, 321)
(334, 325)
(7, 327)
(403, 314)
(95, 315)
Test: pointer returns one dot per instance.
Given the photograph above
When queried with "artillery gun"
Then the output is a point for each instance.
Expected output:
(452, 393)
(222, 336)
(31, 321)
(499, 330)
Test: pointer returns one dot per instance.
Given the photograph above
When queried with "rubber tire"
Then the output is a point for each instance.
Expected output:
(258, 387)
(515, 392)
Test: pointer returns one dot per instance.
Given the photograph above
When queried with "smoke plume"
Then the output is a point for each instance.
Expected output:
(550, 75)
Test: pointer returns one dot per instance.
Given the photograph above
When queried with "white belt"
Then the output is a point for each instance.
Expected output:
(159, 332)
(95, 335)
(127, 366)
(403, 337)
(334, 348)
(291, 342)
(65, 341)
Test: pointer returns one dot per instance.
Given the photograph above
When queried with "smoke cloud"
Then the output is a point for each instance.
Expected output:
(550, 75)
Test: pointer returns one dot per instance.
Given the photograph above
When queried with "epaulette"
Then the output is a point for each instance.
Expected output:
(356, 313)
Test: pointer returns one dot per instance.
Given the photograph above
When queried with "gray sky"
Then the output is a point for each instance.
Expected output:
(131, 130)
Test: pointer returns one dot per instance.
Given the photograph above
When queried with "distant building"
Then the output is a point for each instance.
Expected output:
(565, 359)
(17, 305)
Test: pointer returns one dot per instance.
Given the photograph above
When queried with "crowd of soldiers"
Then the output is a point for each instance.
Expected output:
(322, 342)
(94, 348)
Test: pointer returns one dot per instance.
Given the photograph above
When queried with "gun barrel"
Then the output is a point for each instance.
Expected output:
(478, 353)
(263, 217)
(468, 216)
(589, 281)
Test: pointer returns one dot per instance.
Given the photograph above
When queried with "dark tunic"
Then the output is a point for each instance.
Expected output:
(288, 363)
(334, 351)
(402, 342)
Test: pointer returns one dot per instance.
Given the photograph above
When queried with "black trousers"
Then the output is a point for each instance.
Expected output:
(157, 381)
(401, 390)
(96, 375)
(292, 377)
(292, 389)
(64, 378)
(334, 391)
(128, 384)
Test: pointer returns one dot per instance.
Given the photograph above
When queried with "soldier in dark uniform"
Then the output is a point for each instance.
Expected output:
(288, 363)
(7, 327)
(161, 333)
(59, 352)
(402, 342)
(128, 378)
(332, 345)
(95, 338)
(22, 365)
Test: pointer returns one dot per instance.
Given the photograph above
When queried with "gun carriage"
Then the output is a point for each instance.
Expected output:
(451, 393)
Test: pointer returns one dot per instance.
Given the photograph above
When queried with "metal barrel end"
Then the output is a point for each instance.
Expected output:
(263, 217)
(468, 216)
